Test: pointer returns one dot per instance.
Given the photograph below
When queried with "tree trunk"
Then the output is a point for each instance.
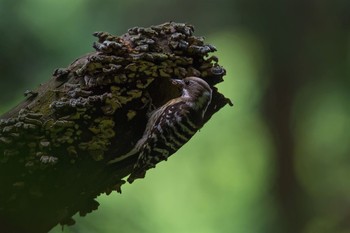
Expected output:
(55, 145)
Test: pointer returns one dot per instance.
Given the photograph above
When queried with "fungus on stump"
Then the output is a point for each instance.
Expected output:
(55, 145)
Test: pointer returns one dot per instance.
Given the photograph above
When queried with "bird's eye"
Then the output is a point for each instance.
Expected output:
(187, 82)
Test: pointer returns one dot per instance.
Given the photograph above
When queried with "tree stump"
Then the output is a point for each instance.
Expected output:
(56, 144)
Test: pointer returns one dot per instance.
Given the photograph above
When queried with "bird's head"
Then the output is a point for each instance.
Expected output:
(195, 89)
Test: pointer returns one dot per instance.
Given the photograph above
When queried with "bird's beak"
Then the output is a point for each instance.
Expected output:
(177, 82)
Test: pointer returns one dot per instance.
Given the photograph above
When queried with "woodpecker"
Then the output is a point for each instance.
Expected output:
(170, 126)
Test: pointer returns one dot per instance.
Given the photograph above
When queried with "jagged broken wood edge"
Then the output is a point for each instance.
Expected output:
(72, 120)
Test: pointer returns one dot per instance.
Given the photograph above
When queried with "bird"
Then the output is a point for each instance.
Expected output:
(170, 126)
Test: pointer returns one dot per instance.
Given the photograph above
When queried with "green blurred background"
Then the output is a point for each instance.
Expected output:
(278, 161)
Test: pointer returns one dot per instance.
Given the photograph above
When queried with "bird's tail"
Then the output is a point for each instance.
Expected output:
(127, 155)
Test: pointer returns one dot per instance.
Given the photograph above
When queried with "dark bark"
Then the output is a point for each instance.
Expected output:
(55, 145)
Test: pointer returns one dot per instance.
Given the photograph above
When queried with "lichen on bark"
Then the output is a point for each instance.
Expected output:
(55, 145)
